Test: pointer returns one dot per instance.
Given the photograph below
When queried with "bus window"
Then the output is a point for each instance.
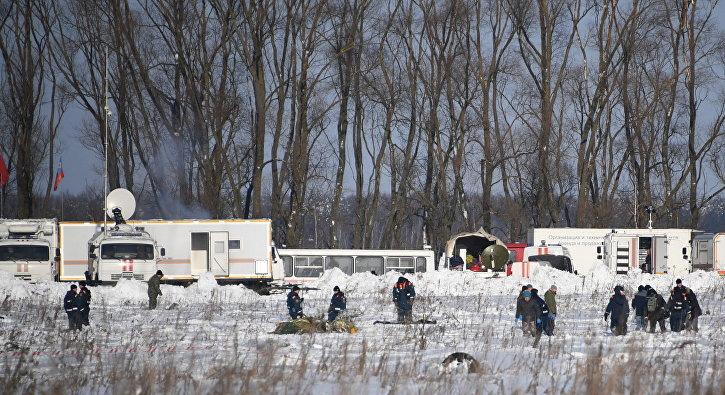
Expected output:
(400, 264)
(344, 263)
(369, 263)
(308, 266)
(420, 264)
(287, 261)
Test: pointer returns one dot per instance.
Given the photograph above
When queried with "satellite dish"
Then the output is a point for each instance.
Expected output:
(495, 257)
(123, 200)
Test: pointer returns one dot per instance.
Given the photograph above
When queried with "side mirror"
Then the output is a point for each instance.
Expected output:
(57, 253)
(92, 256)
(163, 251)
(684, 250)
(599, 249)
(91, 248)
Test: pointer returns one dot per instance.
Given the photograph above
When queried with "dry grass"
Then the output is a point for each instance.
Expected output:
(155, 357)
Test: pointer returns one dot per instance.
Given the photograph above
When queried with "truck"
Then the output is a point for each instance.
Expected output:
(233, 250)
(28, 248)
(669, 249)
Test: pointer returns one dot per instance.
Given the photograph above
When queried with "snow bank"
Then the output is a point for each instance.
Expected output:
(129, 291)
(465, 283)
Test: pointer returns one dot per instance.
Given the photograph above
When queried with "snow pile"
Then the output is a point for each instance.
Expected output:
(467, 283)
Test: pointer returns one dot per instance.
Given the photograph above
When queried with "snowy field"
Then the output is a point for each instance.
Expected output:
(216, 339)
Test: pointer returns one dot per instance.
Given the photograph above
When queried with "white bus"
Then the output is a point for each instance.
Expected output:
(306, 264)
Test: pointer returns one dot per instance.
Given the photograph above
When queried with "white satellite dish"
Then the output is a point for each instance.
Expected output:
(122, 199)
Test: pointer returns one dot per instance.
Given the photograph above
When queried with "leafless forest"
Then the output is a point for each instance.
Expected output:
(372, 123)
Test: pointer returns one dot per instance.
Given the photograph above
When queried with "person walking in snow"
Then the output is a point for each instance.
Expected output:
(656, 310)
(639, 304)
(550, 299)
(338, 304)
(85, 301)
(544, 317)
(71, 304)
(695, 310)
(403, 297)
(155, 288)
(294, 303)
(619, 309)
(678, 307)
(528, 312)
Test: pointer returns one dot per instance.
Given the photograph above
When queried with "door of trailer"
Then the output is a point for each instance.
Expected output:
(219, 241)
(659, 254)
(621, 252)
(199, 253)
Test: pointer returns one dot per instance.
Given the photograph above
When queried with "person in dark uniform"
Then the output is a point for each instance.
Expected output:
(338, 304)
(294, 303)
(155, 288)
(619, 308)
(84, 294)
(404, 296)
(71, 304)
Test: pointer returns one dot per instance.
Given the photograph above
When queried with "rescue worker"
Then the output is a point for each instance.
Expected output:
(639, 304)
(85, 301)
(656, 310)
(619, 309)
(550, 299)
(294, 303)
(71, 304)
(528, 312)
(695, 310)
(544, 317)
(155, 288)
(404, 296)
(678, 307)
(338, 304)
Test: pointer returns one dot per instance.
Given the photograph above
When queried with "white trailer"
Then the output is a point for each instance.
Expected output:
(239, 250)
(28, 248)
(588, 247)
(708, 252)
(306, 264)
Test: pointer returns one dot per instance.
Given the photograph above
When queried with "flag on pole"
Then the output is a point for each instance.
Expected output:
(4, 173)
(58, 176)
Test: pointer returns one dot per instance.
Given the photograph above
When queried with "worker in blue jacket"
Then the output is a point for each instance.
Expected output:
(338, 304)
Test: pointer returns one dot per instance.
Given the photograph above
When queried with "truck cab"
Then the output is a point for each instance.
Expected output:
(28, 248)
(122, 252)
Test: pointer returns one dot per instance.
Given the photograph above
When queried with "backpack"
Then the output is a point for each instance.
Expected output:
(652, 303)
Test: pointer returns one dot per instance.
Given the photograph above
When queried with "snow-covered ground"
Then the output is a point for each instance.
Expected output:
(217, 339)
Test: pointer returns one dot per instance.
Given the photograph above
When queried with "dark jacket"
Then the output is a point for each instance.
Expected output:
(550, 299)
(639, 303)
(338, 302)
(84, 297)
(544, 307)
(404, 294)
(530, 309)
(294, 304)
(677, 304)
(71, 302)
(660, 312)
(155, 285)
(618, 308)
(694, 305)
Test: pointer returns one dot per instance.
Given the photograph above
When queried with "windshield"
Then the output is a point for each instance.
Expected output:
(127, 251)
(24, 253)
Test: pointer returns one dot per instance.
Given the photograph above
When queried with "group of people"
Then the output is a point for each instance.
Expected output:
(403, 297)
(536, 315)
(77, 304)
(650, 309)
